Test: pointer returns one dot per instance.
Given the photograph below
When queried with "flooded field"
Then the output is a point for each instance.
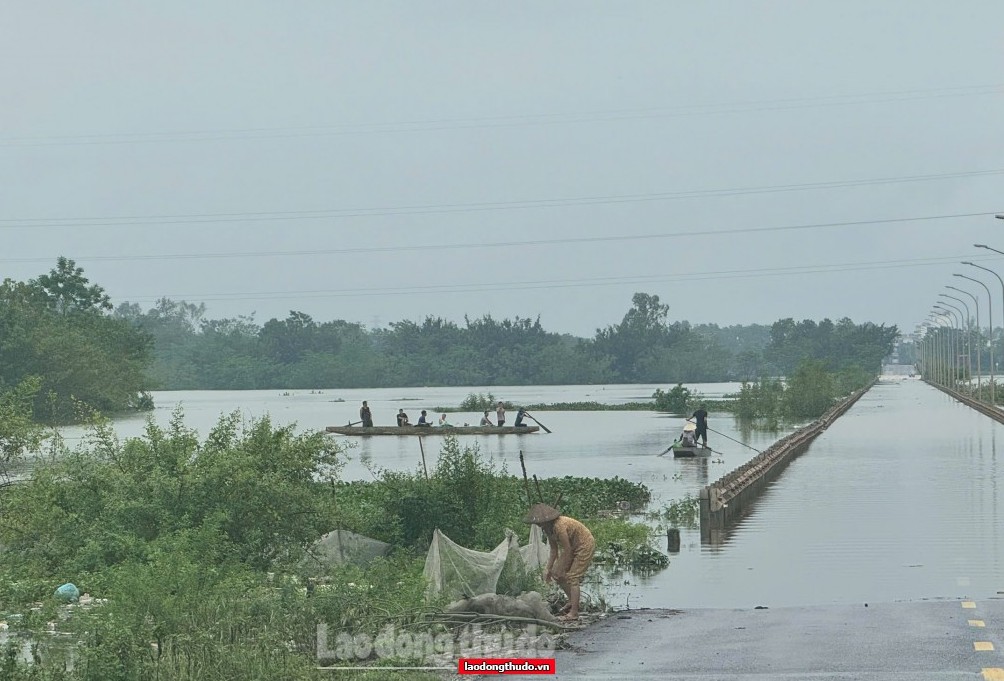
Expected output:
(898, 500)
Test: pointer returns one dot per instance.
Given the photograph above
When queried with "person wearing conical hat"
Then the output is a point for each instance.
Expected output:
(572, 547)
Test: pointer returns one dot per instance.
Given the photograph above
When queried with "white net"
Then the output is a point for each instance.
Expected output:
(342, 546)
(459, 572)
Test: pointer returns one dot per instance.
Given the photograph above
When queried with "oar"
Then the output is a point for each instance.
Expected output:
(546, 429)
(738, 442)
(349, 425)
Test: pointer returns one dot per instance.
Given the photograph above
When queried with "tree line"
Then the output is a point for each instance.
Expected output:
(61, 330)
(193, 352)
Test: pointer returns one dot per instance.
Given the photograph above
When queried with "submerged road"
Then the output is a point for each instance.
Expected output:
(896, 505)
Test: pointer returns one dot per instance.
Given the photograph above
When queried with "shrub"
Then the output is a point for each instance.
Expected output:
(675, 401)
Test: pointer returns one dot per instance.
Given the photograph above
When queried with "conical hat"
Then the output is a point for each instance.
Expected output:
(690, 426)
(541, 513)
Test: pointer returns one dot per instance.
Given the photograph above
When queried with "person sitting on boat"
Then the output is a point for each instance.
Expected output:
(520, 415)
(423, 420)
(687, 437)
(402, 418)
(485, 421)
(443, 423)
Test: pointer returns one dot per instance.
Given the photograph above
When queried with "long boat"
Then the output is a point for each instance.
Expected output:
(432, 430)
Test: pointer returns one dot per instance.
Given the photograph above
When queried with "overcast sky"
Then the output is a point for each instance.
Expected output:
(376, 161)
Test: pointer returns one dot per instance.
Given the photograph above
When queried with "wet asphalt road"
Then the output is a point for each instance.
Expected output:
(934, 640)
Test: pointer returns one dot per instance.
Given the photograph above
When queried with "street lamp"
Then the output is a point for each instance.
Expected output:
(955, 323)
(979, 353)
(990, 313)
(987, 269)
(966, 373)
(928, 370)
(969, 338)
(938, 318)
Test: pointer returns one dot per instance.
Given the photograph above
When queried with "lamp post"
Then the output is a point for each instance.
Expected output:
(979, 352)
(992, 366)
(935, 365)
(940, 348)
(990, 313)
(952, 343)
(928, 351)
(956, 314)
(969, 339)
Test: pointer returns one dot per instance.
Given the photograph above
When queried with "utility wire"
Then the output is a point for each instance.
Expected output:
(401, 248)
(610, 115)
(573, 283)
(424, 209)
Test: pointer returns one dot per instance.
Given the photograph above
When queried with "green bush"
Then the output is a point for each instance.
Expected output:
(675, 401)
(481, 403)
(622, 544)
(469, 499)
(810, 391)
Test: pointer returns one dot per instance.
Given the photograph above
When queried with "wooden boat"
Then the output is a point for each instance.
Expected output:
(683, 451)
(433, 430)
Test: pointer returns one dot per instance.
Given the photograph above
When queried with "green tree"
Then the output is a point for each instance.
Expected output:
(66, 289)
(810, 391)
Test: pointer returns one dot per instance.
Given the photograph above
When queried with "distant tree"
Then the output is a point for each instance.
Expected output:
(65, 289)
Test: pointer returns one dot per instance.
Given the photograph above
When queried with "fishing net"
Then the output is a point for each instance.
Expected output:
(460, 572)
(340, 547)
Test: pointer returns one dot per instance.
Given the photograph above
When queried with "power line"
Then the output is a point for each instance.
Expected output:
(425, 209)
(428, 289)
(502, 244)
(429, 125)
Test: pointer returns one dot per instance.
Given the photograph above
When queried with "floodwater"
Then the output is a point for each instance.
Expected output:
(897, 500)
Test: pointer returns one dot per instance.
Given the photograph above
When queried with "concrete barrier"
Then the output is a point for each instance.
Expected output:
(730, 497)
(982, 407)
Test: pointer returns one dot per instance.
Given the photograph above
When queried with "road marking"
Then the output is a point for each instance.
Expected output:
(993, 674)
(983, 645)
(977, 623)
(968, 604)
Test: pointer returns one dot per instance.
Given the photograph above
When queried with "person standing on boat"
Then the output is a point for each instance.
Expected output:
(701, 421)
(500, 414)
(572, 546)
(366, 416)
(485, 421)
(402, 418)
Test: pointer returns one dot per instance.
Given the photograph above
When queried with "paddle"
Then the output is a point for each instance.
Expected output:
(546, 429)
(349, 425)
(667, 449)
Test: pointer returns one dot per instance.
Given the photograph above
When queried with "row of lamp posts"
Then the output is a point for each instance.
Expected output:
(941, 349)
